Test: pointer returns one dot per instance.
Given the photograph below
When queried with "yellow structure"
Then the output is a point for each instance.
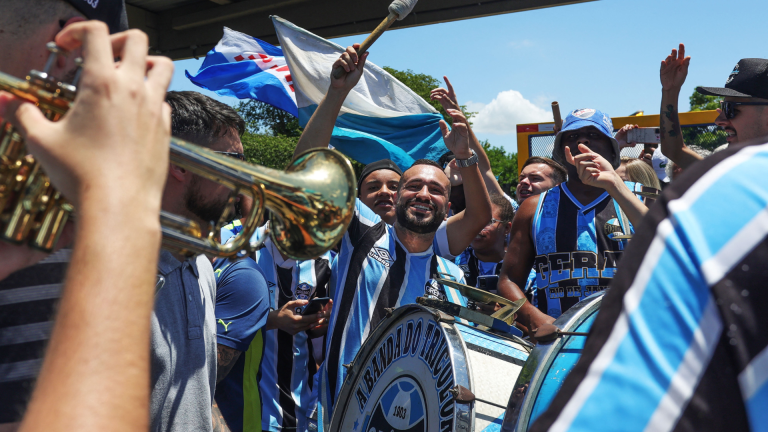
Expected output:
(527, 132)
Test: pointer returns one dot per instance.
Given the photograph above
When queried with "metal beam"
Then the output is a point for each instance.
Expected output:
(191, 31)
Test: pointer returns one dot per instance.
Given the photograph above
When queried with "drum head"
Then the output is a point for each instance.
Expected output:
(401, 380)
(549, 365)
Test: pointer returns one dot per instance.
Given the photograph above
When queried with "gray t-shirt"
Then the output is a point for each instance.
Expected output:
(183, 356)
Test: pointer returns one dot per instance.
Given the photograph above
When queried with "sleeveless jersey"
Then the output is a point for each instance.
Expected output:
(287, 366)
(576, 255)
(372, 272)
(473, 267)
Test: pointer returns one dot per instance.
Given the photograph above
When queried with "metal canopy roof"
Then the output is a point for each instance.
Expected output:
(189, 28)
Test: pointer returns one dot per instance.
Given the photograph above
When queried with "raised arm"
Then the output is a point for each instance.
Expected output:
(447, 98)
(518, 263)
(464, 227)
(674, 70)
(595, 171)
(317, 133)
(109, 156)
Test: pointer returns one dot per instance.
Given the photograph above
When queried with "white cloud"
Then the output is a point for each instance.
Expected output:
(505, 112)
(525, 43)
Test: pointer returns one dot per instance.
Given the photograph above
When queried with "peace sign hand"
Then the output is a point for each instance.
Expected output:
(593, 169)
(674, 69)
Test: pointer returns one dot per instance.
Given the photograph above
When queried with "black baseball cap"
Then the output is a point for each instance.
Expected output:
(111, 12)
(375, 166)
(748, 79)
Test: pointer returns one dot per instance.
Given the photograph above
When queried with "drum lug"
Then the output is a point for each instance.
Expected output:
(462, 394)
(389, 311)
(441, 316)
(348, 366)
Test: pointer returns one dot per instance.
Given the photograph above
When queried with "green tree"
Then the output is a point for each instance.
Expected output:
(263, 118)
(504, 165)
(270, 151)
(707, 137)
(700, 102)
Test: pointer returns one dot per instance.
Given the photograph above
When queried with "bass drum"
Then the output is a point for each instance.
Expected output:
(406, 374)
(548, 366)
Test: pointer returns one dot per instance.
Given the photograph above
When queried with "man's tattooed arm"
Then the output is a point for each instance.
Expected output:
(226, 358)
(219, 424)
(671, 133)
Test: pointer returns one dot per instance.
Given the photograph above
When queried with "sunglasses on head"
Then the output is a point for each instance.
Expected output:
(729, 108)
(240, 156)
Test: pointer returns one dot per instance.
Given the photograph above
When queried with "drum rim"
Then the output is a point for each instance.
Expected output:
(461, 372)
(544, 354)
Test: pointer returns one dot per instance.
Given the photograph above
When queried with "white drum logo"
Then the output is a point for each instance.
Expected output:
(401, 408)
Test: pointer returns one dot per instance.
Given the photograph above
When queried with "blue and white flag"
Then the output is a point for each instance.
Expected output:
(244, 67)
(381, 117)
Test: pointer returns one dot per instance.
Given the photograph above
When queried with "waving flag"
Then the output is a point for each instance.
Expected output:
(247, 68)
(381, 117)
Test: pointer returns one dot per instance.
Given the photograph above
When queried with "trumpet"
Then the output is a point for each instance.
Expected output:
(312, 201)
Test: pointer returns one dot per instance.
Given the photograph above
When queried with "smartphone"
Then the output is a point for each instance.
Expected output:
(488, 283)
(645, 135)
(315, 305)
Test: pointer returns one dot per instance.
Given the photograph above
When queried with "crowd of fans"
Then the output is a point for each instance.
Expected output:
(230, 344)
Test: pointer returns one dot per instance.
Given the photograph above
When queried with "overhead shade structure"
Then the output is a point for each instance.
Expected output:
(182, 29)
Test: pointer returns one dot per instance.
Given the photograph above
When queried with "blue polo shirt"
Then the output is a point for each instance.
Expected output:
(242, 306)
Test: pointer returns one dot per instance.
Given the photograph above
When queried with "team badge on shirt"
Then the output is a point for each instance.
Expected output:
(612, 228)
(303, 291)
(433, 289)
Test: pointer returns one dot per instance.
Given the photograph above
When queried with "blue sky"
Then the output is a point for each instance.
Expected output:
(603, 54)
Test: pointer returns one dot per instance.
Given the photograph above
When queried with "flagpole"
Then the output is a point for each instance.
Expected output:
(339, 71)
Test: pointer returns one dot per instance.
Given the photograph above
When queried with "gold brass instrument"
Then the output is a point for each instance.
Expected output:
(312, 201)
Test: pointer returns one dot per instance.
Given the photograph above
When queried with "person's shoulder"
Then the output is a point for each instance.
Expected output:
(242, 268)
(365, 215)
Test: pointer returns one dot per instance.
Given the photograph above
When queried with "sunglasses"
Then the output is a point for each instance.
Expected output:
(240, 156)
(729, 108)
(493, 221)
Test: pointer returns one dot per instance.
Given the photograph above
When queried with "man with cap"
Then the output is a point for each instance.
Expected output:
(567, 233)
(377, 187)
(742, 112)
(29, 296)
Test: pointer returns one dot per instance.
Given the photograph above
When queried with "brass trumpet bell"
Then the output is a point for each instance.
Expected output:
(312, 201)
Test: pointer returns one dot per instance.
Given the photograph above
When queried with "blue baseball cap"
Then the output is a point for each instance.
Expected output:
(581, 118)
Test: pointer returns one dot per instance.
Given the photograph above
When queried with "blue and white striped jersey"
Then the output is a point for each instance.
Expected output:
(287, 365)
(576, 255)
(680, 343)
(372, 272)
(472, 267)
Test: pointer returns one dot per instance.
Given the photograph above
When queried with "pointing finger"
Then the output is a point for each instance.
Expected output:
(569, 156)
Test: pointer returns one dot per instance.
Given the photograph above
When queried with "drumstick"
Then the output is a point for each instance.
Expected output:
(398, 10)
(556, 115)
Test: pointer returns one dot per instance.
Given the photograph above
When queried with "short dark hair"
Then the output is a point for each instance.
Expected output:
(507, 212)
(429, 162)
(559, 174)
(200, 119)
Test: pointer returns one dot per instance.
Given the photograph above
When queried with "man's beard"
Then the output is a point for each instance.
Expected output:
(419, 226)
(207, 210)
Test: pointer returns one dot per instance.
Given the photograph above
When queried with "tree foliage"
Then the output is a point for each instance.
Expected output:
(700, 102)
(503, 165)
(270, 151)
(706, 137)
(263, 118)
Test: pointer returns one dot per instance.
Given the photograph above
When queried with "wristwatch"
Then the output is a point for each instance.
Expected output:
(463, 163)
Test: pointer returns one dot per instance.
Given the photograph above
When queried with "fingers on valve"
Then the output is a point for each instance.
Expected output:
(131, 47)
(93, 36)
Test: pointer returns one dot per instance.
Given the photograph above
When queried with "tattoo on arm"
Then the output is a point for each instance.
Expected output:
(226, 358)
(671, 114)
(219, 424)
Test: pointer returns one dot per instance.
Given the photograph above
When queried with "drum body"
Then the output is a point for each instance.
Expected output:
(404, 377)
(548, 366)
